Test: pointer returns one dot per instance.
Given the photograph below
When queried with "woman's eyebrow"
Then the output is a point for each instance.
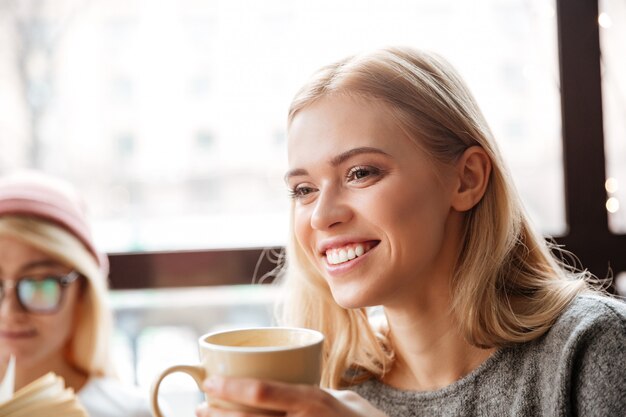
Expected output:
(338, 160)
(43, 263)
(294, 173)
(344, 156)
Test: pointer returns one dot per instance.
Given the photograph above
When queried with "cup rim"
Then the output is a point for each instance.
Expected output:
(319, 338)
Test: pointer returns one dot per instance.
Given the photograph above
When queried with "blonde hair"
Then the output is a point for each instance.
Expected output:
(88, 347)
(507, 286)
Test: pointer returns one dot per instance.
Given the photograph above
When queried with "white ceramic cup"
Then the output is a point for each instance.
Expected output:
(284, 354)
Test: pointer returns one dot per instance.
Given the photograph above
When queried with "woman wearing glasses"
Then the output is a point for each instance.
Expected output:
(53, 310)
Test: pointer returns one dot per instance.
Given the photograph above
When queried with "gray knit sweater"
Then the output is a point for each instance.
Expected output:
(578, 368)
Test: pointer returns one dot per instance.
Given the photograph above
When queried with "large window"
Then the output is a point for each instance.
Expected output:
(170, 115)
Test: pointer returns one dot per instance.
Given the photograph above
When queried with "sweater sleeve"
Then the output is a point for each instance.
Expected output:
(599, 366)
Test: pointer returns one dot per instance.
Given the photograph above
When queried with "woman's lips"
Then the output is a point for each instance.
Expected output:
(348, 252)
(343, 267)
(17, 334)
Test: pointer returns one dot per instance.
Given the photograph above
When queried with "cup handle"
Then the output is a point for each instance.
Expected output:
(197, 373)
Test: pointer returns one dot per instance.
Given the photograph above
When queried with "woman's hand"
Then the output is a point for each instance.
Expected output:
(290, 399)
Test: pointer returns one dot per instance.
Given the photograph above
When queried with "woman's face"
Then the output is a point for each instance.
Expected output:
(371, 212)
(32, 338)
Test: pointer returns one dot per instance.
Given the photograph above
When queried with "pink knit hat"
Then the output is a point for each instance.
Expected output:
(38, 195)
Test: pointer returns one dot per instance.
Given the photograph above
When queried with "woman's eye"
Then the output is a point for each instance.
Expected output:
(361, 172)
(301, 191)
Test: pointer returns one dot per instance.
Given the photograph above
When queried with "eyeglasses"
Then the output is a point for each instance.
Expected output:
(39, 295)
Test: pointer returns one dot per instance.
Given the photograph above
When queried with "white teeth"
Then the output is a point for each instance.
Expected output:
(337, 256)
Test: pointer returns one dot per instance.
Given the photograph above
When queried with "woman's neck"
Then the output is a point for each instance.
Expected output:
(73, 377)
(430, 351)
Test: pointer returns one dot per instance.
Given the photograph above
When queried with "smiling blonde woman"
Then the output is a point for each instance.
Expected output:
(402, 200)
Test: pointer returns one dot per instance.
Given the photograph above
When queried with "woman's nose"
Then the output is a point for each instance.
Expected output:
(330, 210)
(9, 303)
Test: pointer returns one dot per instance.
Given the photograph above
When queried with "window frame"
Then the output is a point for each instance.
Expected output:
(589, 237)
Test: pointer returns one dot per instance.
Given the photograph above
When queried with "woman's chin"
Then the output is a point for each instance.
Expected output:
(351, 301)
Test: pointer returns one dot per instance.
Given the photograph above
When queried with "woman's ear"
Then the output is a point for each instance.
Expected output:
(472, 171)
